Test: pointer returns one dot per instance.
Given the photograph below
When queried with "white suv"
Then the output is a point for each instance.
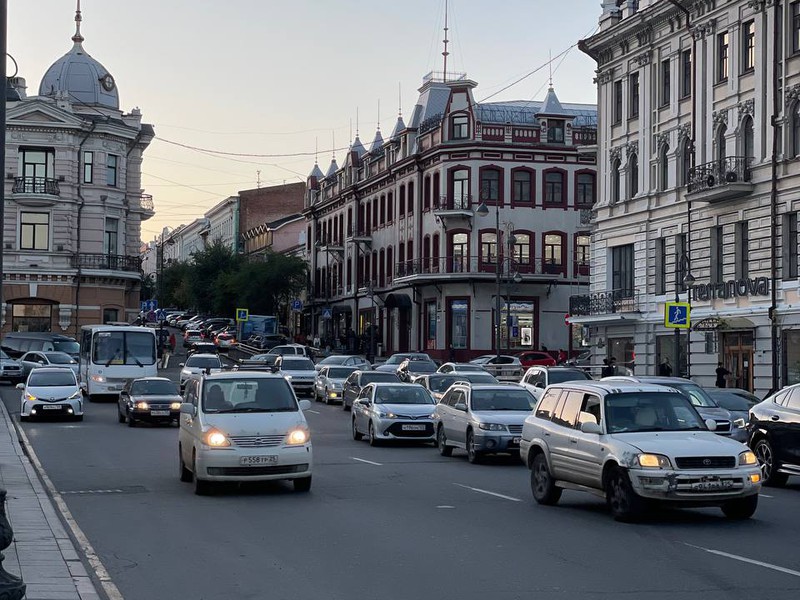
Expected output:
(634, 444)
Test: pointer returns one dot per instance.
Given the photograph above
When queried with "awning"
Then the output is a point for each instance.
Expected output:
(397, 301)
(723, 323)
(342, 308)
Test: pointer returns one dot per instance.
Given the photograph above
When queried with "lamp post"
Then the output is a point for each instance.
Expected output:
(160, 284)
(482, 211)
(516, 278)
(682, 266)
(371, 349)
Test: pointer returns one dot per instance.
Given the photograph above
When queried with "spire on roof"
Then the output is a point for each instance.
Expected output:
(316, 171)
(78, 38)
(333, 168)
(551, 105)
(398, 128)
(358, 147)
(377, 143)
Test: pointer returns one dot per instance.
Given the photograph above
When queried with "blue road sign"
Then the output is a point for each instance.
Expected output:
(143, 306)
(242, 314)
(160, 314)
(327, 313)
(297, 305)
(677, 315)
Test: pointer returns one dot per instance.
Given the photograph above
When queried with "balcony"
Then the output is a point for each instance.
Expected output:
(587, 217)
(453, 210)
(147, 206)
(451, 267)
(111, 262)
(720, 180)
(35, 191)
(610, 302)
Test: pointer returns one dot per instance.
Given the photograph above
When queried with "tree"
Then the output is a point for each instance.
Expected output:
(208, 267)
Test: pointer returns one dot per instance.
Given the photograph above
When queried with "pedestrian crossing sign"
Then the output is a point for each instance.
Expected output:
(677, 315)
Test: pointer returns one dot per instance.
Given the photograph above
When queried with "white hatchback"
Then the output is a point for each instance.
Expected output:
(243, 426)
(51, 391)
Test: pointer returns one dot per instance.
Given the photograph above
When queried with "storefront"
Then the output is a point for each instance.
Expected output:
(518, 329)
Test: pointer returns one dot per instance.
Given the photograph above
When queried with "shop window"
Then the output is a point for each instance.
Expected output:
(517, 325)
(430, 325)
(459, 324)
(31, 317)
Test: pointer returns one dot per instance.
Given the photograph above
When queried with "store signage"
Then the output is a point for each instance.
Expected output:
(757, 286)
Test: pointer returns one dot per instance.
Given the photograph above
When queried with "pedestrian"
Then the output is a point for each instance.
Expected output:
(562, 357)
(173, 343)
(722, 373)
(608, 370)
(316, 340)
(665, 369)
(452, 353)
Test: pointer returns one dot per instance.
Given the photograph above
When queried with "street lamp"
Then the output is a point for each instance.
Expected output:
(482, 211)
(682, 266)
(371, 349)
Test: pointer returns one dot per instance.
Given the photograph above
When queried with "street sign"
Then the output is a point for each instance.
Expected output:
(566, 320)
(677, 315)
(160, 314)
(242, 314)
(327, 313)
(297, 305)
(143, 306)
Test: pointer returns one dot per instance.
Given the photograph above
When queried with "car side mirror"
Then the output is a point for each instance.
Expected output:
(539, 385)
(187, 408)
(711, 424)
(364, 401)
(181, 364)
(304, 404)
(20, 386)
(591, 427)
(460, 406)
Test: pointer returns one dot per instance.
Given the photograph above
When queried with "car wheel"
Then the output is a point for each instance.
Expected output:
(356, 433)
(543, 486)
(120, 416)
(201, 486)
(77, 418)
(373, 441)
(185, 474)
(92, 397)
(741, 508)
(131, 421)
(473, 455)
(769, 468)
(303, 484)
(625, 504)
(24, 418)
(441, 442)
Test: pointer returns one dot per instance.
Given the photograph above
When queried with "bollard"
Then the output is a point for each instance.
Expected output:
(11, 586)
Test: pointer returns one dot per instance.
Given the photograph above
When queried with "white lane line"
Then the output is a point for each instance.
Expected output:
(316, 412)
(369, 462)
(445, 506)
(495, 494)
(765, 496)
(747, 560)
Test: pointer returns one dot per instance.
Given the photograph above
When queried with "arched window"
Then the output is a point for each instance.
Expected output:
(491, 185)
(633, 167)
(459, 253)
(426, 193)
(748, 140)
(488, 248)
(460, 187)
(719, 141)
(686, 161)
(426, 254)
(553, 252)
(615, 181)
(663, 167)
(435, 266)
(521, 251)
(796, 130)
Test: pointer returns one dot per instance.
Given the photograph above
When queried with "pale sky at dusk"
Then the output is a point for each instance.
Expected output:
(271, 77)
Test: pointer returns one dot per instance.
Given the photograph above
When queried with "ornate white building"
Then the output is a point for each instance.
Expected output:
(699, 156)
(73, 199)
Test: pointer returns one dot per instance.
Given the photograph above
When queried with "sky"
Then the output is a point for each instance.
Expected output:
(281, 77)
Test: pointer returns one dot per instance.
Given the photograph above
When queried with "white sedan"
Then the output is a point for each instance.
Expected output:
(51, 391)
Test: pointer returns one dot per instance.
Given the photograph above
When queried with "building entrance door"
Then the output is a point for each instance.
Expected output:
(403, 316)
(737, 349)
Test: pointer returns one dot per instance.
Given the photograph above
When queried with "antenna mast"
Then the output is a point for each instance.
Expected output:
(445, 53)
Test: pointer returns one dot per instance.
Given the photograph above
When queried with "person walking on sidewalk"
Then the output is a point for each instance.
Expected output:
(722, 374)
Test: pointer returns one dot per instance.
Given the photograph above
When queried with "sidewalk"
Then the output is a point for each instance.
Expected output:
(42, 553)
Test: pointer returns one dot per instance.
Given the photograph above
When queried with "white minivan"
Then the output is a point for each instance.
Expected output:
(243, 426)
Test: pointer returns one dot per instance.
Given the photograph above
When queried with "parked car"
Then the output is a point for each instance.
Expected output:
(192, 336)
(17, 343)
(502, 367)
(258, 362)
(329, 381)
(451, 367)
(529, 358)
(481, 418)
(290, 350)
(351, 387)
(190, 323)
(413, 367)
(225, 340)
(51, 392)
(438, 383)
(394, 360)
(636, 444)
(198, 363)
(151, 399)
(243, 427)
(583, 360)
(202, 347)
(300, 370)
(34, 360)
(393, 411)
(536, 379)
(345, 360)
(738, 403)
(10, 369)
(774, 429)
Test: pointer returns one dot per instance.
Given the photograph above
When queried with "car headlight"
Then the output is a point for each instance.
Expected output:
(142, 405)
(217, 439)
(175, 406)
(297, 437)
(387, 415)
(492, 426)
(75, 395)
(747, 458)
(99, 378)
(740, 423)
(653, 461)
(30, 397)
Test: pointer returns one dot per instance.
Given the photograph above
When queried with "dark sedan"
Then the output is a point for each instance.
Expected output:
(351, 387)
(774, 430)
(151, 399)
(412, 367)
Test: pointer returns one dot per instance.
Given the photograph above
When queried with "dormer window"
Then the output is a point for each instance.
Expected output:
(459, 127)
(555, 131)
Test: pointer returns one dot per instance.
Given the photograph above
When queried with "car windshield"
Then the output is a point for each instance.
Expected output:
(334, 360)
(509, 399)
(697, 395)
(402, 394)
(733, 401)
(68, 346)
(59, 358)
(468, 368)
(51, 379)
(396, 359)
(339, 372)
(440, 383)
(297, 364)
(631, 412)
(421, 366)
(124, 348)
(270, 358)
(3, 355)
(248, 395)
(153, 387)
(374, 376)
(562, 376)
(203, 362)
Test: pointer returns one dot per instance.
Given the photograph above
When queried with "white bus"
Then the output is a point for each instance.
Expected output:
(111, 355)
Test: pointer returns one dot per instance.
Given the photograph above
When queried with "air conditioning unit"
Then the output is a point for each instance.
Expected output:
(731, 177)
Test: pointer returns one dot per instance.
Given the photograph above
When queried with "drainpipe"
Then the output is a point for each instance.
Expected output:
(418, 247)
(81, 203)
(773, 204)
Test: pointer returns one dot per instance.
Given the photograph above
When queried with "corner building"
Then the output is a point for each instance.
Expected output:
(698, 118)
(394, 237)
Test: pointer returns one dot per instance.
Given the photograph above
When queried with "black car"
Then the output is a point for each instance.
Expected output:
(774, 435)
(351, 387)
(152, 399)
(411, 367)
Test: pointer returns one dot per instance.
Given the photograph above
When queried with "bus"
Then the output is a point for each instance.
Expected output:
(111, 355)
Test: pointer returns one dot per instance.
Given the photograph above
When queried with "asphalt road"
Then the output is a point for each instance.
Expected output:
(391, 523)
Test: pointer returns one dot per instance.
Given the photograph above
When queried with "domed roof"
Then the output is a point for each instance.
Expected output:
(79, 76)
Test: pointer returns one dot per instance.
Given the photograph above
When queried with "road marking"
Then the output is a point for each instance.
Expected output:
(111, 590)
(445, 506)
(93, 492)
(369, 462)
(747, 560)
(316, 412)
(765, 496)
(495, 494)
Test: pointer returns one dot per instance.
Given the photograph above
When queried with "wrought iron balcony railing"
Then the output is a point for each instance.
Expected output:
(146, 202)
(113, 262)
(36, 185)
(719, 174)
(604, 303)
(457, 202)
(480, 264)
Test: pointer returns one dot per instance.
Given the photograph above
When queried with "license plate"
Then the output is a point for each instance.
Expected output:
(412, 427)
(115, 388)
(249, 461)
(515, 440)
(159, 413)
(51, 407)
(712, 486)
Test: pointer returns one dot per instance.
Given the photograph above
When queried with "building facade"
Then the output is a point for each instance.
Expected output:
(699, 153)
(397, 236)
(73, 200)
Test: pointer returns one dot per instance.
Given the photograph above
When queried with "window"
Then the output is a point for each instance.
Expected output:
(34, 231)
(490, 185)
(521, 250)
(748, 46)
(665, 82)
(553, 251)
(615, 182)
(796, 129)
(555, 131)
(748, 142)
(722, 57)
(36, 165)
(582, 242)
(633, 82)
(461, 189)
(521, 186)
(742, 249)
(622, 273)
(686, 161)
(554, 187)
(426, 193)
(584, 189)
(459, 251)
(686, 73)
(663, 167)
(488, 247)
(795, 27)
(88, 166)
(661, 266)
(459, 324)
(411, 197)
(430, 325)
(111, 170)
(110, 315)
(459, 127)
(617, 102)
(633, 167)
(717, 261)
(111, 238)
(720, 143)
(401, 201)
